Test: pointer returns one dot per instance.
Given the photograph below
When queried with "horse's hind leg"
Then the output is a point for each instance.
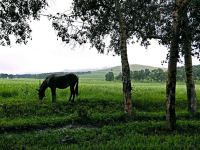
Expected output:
(70, 96)
(53, 93)
(70, 93)
(73, 96)
(73, 93)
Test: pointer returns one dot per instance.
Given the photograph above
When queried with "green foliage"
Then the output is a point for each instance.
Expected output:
(98, 18)
(109, 76)
(160, 75)
(14, 16)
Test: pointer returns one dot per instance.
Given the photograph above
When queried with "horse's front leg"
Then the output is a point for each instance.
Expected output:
(53, 93)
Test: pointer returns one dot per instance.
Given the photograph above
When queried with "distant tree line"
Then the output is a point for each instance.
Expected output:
(34, 76)
(181, 73)
(158, 75)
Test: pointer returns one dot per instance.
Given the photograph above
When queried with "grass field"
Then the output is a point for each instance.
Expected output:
(96, 119)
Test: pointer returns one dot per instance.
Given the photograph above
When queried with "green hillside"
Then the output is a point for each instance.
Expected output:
(133, 67)
(100, 74)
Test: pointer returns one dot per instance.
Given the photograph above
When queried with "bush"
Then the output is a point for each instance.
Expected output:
(109, 76)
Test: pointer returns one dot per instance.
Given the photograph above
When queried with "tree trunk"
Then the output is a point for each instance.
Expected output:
(171, 86)
(124, 60)
(178, 18)
(172, 68)
(191, 94)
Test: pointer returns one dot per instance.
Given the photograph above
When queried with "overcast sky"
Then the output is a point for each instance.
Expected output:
(44, 53)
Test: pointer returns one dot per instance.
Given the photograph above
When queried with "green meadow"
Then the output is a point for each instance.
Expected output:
(95, 120)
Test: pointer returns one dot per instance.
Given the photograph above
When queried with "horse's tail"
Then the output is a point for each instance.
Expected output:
(76, 88)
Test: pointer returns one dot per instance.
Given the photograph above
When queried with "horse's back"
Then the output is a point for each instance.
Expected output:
(62, 80)
(71, 76)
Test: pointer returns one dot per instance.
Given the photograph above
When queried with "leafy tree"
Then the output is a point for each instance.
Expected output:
(189, 42)
(98, 19)
(147, 73)
(170, 31)
(109, 76)
(190, 38)
(93, 21)
(180, 38)
(158, 75)
(124, 58)
(172, 65)
(14, 17)
(3, 75)
(185, 29)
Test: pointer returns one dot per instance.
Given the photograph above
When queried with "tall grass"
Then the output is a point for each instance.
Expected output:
(20, 90)
(96, 120)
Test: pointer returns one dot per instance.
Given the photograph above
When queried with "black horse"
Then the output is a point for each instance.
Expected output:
(60, 81)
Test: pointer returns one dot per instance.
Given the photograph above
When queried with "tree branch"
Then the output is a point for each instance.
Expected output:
(2, 5)
(145, 37)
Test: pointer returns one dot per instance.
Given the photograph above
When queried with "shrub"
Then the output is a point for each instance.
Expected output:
(109, 76)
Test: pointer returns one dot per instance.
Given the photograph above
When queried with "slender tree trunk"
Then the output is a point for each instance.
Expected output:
(172, 68)
(178, 19)
(124, 60)
(191, 94)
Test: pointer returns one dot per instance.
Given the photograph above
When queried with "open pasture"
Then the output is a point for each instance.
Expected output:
(96, 119)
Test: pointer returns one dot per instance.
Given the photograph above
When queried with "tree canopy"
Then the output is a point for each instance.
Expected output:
(121, 21)
(164, 23)
(96, 20)
(14, 18)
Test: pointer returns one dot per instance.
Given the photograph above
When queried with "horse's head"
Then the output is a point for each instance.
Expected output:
(41, 90)
(41, 94)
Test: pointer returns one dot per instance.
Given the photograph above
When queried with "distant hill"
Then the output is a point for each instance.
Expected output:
(90, 73)
(100, 74)
(133, 67)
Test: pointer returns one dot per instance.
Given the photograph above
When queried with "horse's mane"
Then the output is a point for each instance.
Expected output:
(43, 86)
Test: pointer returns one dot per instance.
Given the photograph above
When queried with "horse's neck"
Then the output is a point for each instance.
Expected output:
(44, 86)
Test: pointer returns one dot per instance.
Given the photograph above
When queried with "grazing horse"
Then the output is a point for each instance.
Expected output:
(60, 81)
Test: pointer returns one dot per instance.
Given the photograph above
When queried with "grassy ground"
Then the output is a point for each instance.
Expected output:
(96, 119)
